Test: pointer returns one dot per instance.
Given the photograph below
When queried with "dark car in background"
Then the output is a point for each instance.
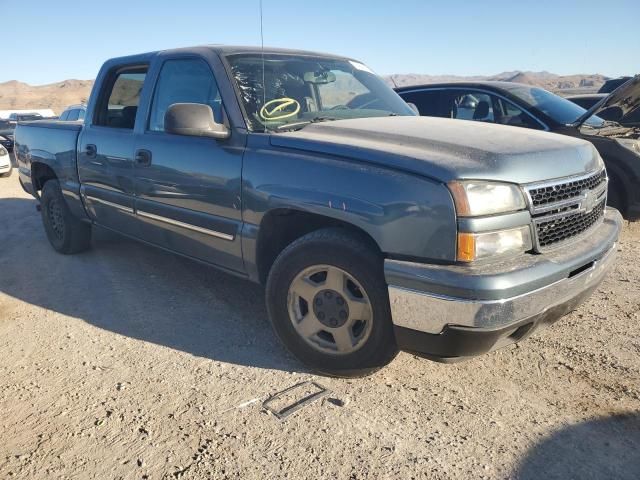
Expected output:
(610, 85)
(6, 142)
(73, 113)
(535, 108)
(8, 126)
(587, 100)
(6, 134)
(25, 117)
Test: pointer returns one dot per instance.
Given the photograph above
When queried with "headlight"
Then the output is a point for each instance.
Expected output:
(3, 151)
(476, 246)
(631, 144)
(474, 198)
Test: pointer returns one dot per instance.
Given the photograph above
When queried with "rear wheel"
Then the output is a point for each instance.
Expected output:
(329, 304)
(66, 233)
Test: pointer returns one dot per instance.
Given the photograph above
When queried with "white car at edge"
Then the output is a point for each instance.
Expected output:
(5, 162)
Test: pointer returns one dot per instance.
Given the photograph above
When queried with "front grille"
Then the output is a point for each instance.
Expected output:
(553, 231)
(567, 208)
(549, 194)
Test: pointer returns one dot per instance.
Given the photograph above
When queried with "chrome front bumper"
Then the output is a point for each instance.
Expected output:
(547, 283)
(430, 313)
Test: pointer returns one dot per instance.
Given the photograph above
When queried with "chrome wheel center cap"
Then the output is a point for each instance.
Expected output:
(330, 308)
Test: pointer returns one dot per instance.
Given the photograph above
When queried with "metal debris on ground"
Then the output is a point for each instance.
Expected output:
(292, 399)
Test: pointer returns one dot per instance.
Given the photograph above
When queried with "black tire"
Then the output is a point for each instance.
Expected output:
(66, 233)
(616, 194)
(352, 254)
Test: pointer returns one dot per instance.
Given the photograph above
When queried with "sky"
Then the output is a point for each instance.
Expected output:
(46, 41)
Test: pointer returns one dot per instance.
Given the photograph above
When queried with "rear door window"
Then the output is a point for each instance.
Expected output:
(119, 105)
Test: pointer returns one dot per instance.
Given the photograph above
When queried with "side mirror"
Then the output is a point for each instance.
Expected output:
(194, 119)
(413, 107)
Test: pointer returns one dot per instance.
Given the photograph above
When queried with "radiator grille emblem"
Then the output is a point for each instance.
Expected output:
(590, 200)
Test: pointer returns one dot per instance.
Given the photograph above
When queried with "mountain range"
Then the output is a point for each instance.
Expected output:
(57, 96)
(549, 81)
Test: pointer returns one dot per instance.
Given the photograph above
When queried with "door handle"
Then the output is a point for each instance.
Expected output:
(91, 150)
(143, 157)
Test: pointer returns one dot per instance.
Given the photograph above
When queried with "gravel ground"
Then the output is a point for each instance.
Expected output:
(128, 362)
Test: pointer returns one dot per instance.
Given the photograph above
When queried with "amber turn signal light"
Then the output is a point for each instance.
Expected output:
(466, 247)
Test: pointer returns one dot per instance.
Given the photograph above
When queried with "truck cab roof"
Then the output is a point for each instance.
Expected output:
(221, 50)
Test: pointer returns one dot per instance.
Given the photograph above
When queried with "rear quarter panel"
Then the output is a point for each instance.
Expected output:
(52, 144)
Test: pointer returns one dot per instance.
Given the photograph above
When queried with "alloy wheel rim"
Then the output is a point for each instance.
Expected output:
(330, 310)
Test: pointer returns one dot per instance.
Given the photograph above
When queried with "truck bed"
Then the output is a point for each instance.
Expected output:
(53, 143)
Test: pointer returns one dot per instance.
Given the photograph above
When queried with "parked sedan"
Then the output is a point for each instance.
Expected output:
(532, 107)
(5, 162)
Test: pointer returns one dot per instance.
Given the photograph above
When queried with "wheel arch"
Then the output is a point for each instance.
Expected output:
(40, 174)
(282, 226)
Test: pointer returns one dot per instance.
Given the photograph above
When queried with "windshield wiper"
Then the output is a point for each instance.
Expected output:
(304, 123)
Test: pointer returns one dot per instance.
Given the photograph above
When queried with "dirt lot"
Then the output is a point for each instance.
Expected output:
(128, 362)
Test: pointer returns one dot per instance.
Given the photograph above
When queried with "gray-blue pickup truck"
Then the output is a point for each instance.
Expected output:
(372, 229)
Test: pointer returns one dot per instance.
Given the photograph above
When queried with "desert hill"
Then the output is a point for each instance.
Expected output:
(57, 96)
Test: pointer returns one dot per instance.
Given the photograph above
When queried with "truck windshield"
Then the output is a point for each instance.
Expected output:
(559, 109)
(303, 89)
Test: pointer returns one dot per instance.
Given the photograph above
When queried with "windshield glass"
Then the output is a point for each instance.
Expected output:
(302, 89)
(559, 109)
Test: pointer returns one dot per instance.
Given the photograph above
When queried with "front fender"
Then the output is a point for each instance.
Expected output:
(406, 215)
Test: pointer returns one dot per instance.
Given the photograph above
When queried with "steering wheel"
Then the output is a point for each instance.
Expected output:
(366, 104)
(280, 108)
(362, 101)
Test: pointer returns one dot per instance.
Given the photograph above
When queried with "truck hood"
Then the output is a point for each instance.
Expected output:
(619, 106)
(445, 149)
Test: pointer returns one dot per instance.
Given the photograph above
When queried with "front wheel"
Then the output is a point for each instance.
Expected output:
(329, 304)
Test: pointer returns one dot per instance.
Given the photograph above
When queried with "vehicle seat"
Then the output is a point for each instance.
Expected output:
(482, 110)
(129, 117)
